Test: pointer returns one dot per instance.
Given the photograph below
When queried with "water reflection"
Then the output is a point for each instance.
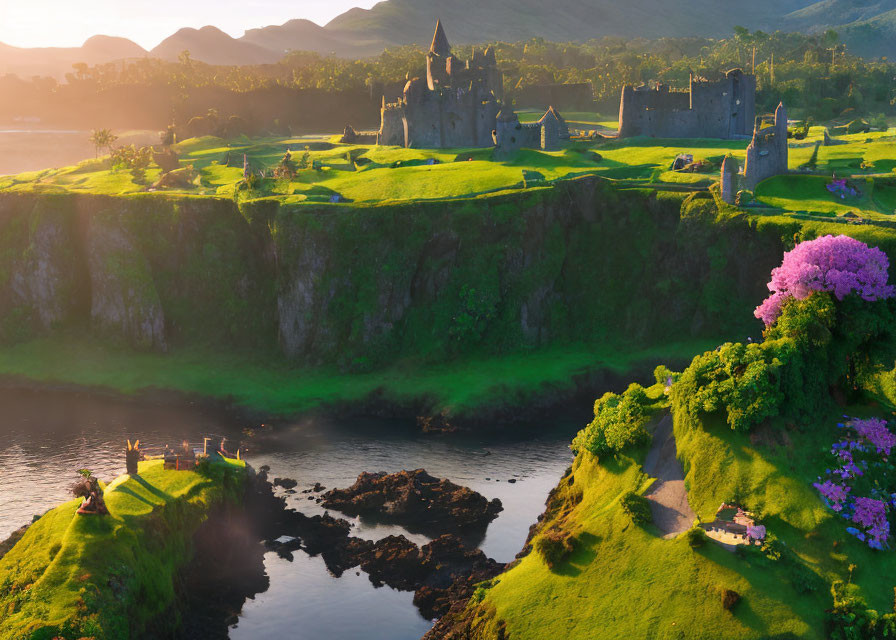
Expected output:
(45, 437)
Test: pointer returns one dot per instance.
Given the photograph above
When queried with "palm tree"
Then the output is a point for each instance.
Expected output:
(102, 139)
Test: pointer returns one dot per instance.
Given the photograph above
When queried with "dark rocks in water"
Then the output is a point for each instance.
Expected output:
(436, 424)
(440, 573)
(512, 481)
(395, 561)
(318, 487)
(415, 500)
(286, 483)
(454, 571)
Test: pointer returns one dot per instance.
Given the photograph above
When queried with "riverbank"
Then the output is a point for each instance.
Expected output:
(112, 576)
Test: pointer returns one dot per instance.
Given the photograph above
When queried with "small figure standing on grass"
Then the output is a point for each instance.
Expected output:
(88, 487)
(132, 457)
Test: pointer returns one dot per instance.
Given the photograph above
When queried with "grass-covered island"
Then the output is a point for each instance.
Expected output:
(110, 576)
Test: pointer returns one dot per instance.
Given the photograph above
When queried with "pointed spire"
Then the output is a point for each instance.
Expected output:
(489, 55)
(550, 114)
(440, 41)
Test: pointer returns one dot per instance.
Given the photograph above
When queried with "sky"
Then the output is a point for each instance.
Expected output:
(68, 23)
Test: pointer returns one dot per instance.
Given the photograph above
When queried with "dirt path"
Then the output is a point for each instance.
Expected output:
(668, 498)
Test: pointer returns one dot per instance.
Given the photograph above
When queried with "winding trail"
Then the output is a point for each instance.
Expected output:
(668, 498)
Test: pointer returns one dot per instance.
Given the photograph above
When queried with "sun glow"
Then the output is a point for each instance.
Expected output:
(60, 23)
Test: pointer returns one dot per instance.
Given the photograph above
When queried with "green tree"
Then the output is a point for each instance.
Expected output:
(102, 139)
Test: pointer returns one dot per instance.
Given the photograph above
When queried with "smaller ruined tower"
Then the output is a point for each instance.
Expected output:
(767, 153)
(728, 182)
(550, 130)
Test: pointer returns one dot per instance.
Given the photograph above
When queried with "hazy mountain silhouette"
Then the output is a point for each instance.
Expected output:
(867, 26)
(56, 61)
(211, 45)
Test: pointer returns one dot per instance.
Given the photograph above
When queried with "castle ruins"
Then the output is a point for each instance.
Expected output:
(722, 109)
(459, 105)
(511, 135)
(456, 106)
(766, 157)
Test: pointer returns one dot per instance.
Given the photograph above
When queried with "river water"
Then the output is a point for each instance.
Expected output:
(46, 436)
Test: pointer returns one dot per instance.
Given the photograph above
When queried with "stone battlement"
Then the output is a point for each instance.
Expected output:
(707, 109)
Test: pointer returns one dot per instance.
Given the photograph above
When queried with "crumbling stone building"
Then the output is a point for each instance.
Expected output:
(767, 156)
(455, 106)
(511, 135)
(767, 153)
(721, 109)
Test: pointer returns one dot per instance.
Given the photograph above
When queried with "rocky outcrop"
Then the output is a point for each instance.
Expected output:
(40, 278)
(441, 573)
(416, 500)
(124, 300)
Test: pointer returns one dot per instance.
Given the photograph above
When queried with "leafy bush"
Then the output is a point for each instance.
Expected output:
(802, 578)
(637, 508)
(696, 537)
(740, 379)
(664, 375)
(850, 618)
(618, 423)
(553, 546)
(814, 344)
(730, 599)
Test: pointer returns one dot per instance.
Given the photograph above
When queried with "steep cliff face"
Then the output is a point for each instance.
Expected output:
(39, 267)
(147, 272)
(582, 262)
(356, 286)
(124, 300)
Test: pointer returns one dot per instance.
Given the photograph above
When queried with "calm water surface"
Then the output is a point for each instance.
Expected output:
(45, 437)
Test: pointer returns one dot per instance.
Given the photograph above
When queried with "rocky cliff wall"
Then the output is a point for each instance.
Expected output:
(579, 262)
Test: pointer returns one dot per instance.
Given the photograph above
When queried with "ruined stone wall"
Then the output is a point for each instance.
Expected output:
(393, 125)
(723, 109)
(767, 155)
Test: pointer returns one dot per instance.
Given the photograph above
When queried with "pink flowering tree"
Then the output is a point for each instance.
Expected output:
(838, 264)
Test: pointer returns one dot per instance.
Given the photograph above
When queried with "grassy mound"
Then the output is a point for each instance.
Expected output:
(670, 589)
(109, 577)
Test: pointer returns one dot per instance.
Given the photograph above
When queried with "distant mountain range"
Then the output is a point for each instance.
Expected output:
(867, 26)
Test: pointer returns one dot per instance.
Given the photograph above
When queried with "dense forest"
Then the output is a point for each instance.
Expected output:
(812, 73)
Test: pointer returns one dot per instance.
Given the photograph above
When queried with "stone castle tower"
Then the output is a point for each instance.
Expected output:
(456, 106)
(766, 157)
(767, 153)
(721, 109)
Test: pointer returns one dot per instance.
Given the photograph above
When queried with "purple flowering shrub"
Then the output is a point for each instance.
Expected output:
(838, 264)
(861, 484)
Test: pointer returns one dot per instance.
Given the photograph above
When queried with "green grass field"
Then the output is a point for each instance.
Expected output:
(672, 591)
(369, 173)
(81, 576)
